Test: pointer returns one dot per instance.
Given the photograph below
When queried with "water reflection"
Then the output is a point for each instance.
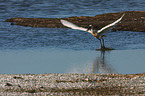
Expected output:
(115, 61)
(49, 60)
(101, 65)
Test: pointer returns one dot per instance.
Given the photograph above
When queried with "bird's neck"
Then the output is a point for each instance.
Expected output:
(94, 33)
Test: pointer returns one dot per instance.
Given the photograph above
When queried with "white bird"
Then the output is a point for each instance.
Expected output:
(97, 34)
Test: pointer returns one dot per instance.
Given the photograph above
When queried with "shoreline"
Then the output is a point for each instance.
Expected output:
(132, 21)
(72, 84)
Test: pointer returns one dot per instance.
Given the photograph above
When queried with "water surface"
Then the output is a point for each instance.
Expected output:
(62, 50)
(69, 61)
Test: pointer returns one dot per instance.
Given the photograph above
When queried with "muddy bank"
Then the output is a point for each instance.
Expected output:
(72, 84)
(132, 21)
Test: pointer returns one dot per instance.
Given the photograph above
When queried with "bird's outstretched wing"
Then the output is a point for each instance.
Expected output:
(73, 26)
(110, 25)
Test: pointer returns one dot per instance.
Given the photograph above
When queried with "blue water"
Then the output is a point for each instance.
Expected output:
(64, 8)
(62, 50)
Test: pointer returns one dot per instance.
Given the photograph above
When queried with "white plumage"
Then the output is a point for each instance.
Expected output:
(110, 25)
(73, 26)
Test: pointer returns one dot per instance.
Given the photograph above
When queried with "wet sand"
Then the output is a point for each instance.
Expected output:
(72, 84)
(132, 21)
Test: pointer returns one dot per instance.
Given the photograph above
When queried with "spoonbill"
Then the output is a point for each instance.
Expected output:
(97, 34)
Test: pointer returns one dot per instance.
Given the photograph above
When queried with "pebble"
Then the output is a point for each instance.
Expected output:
(72, 84)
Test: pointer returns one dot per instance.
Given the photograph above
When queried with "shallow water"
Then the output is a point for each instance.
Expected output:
(70, 61)
(62, 50)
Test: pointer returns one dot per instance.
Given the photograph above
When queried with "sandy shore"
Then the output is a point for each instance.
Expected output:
(132, 21)
(72, 84)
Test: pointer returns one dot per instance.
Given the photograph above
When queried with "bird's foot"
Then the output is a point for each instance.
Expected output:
(103, 48)
(106, 48)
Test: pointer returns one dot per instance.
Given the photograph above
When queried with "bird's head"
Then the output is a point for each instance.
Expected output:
(90, 27)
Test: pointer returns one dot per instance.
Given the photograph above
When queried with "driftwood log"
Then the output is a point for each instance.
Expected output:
(132, 21)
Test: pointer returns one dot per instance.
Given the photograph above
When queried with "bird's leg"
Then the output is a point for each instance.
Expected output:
(100, 42)
(103, 43)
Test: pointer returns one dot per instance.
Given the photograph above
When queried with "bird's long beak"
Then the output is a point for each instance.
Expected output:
(89, 27)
